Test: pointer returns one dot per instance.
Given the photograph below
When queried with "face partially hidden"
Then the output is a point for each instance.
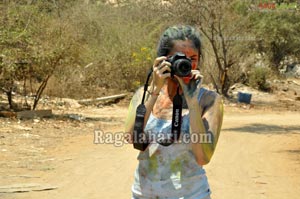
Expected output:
(186, 47)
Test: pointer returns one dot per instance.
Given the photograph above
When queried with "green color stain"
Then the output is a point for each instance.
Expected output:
(153, 164)
(176, 165)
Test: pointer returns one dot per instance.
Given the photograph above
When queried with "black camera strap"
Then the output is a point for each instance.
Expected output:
(140, 140)
(176, 120)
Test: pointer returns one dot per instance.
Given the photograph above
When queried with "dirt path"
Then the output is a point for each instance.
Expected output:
(258, 156)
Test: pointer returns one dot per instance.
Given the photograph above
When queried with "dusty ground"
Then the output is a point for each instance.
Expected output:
(258, 155)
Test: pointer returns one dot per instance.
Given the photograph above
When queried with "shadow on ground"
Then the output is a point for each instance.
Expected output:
(266, 129)
(79, 117)
(294, 154)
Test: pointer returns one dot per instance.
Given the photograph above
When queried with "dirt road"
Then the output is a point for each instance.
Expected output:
(257, 157)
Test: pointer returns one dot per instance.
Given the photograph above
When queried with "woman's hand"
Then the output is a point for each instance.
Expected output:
(159, 67)
(206, 123)
(191, 88)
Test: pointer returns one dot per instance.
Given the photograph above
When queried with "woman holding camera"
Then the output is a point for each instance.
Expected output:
(176, 171)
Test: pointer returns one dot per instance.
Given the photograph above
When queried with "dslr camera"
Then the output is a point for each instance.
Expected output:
(181, 65)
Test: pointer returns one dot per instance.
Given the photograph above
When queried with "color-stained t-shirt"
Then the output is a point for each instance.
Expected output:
(169, 172)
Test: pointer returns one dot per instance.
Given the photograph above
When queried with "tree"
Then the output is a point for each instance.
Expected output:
(278, 36)
(33, 44)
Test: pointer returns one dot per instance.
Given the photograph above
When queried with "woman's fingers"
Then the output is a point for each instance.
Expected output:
(197, 77)
(158, 61)
(166, 75)
(195, 81)
(196, 74)
(165, 66)
(160, 66)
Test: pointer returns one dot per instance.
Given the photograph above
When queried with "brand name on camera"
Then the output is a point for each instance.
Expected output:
(176, 118)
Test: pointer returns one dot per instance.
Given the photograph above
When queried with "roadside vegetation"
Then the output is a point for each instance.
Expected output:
(78, 48)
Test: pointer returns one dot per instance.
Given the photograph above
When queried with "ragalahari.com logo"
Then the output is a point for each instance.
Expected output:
(278, 5)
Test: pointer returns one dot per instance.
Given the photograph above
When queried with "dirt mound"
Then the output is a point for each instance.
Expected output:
(285, 96)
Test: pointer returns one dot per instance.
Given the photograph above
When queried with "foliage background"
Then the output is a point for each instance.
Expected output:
(80, 48)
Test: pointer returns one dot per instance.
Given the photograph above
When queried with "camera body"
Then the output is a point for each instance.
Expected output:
(181, 65)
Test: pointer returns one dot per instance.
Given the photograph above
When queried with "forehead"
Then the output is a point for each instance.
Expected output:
(186, 46)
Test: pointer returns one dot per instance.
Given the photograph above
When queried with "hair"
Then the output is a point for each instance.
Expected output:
(180, 32)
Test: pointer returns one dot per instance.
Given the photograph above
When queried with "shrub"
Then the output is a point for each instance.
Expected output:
(258, 78)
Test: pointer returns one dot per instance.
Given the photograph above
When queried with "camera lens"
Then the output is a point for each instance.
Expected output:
(182, 67)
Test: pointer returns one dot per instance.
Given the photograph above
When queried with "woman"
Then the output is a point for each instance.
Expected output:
(176, 171)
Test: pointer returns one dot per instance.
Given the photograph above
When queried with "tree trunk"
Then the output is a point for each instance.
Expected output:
(9, 98)
(225, 83)
(40, 91)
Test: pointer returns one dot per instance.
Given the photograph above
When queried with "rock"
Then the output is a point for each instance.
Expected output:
(285, 89)
(22, 128)
(36, 120)
(293, 70)
(76, 117)
(71, 103)
(56, 126)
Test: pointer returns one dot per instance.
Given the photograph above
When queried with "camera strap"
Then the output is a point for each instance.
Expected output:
(140, 140)
(176, 120)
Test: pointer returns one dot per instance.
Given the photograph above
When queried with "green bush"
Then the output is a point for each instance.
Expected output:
(258, 78)
(120, 43)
